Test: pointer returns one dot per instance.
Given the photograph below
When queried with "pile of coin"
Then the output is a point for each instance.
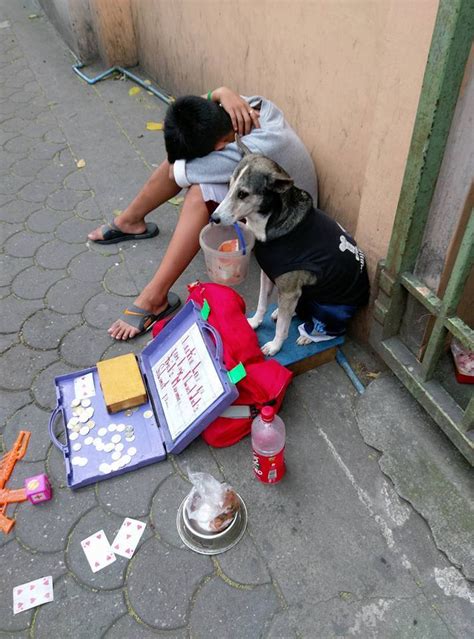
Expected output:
(81, 423)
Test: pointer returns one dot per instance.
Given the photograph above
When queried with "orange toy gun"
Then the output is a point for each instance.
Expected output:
(7, 464)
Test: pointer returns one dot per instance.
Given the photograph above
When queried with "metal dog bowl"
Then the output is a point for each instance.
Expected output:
(206, 543)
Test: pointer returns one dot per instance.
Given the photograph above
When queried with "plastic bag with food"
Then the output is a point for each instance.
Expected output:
(464, 362)
(211, 504)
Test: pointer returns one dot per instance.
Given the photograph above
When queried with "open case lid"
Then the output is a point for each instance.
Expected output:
(186, 379)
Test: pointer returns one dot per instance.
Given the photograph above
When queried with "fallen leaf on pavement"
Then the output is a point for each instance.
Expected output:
(116, 212)
(176, 200)
(154, 126)
(81, 164)
(134, 91)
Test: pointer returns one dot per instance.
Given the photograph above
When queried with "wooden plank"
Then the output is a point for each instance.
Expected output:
(313, 361)
(113, 25)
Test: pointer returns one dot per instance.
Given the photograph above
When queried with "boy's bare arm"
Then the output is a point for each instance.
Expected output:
(243, 117)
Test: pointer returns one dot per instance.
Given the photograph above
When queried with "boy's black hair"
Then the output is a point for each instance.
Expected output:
(193, 125)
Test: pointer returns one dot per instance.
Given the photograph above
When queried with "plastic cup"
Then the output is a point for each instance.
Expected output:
(226, 267)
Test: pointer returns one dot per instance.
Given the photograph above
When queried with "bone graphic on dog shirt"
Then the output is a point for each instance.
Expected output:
(347, 246)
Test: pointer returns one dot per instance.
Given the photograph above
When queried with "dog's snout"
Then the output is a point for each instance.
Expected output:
(215, 218)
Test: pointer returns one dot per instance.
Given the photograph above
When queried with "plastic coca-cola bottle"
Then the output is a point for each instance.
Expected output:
(268, 444)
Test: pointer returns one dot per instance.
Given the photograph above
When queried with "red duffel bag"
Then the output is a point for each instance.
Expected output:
(266, 380)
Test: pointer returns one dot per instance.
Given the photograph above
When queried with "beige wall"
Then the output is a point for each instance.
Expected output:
(346, 73)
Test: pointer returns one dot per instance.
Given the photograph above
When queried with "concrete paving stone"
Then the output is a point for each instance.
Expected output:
(90, 266)
(127, 626)
(69, 296)
(78, 612)
(65, 199)
(11, 402)
(165, 506)
(37, 191)
(83, 346)
(103, 309)
(28, 167)
(243, 564)
(16, 211)
(403, 618)
(36, 129)
(131, 494)
(11, 184)
(45, 527)
(7, 159)
(55, 466)
(15, 312)
(120, 347)
(24, 96)
(23, 566)
(5, 136)
(4, 292)
(14, 124)
(6, 341)
(281, 627)
(43, 385)
(77, 180)
(28, 111)
(220, 610)
(24, 244)
(198, 457)
(21, 146)
(7, 230)
(157, 601)
(89, 209)
(45, 329)
(427, 471)
(117, 280)
(34, 282)
(57, 255)
(55, 172)
(91, 522)
(45, 150)
(35, 420)
(46, 220)
(21, 364)
(55, 136)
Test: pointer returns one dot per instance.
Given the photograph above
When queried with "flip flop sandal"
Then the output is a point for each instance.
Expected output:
(112, 234)
(144, 320)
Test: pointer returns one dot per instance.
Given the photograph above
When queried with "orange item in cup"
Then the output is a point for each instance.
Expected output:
(229, 246)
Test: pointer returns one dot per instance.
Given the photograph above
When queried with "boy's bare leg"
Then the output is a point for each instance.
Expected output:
(182, 248)
(157, 190)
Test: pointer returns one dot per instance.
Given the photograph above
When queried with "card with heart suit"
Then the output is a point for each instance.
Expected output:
(32, 594)
(127, 538)
(97, 550)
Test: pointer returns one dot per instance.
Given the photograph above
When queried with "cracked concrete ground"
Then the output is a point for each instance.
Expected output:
(332, 551)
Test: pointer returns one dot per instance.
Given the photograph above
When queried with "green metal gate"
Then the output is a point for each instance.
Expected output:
(399, 286)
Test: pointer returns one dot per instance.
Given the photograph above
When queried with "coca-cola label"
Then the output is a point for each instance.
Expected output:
(269, 469)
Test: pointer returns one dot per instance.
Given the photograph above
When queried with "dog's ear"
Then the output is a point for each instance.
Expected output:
(243, 149)
(280, 181)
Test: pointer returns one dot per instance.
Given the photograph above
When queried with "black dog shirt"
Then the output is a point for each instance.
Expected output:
(320, 245)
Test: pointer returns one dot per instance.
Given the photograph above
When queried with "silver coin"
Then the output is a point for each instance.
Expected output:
(105, 468)
(76, 428)
(147, 414)
(76, 446)
(83, 418)
(102, 432)
(120, 428)
(73, 436)
(85, 403)
(79, 410)
(116, 455)
(128, 412)
(125, 459)
(84, 430)
(100, 446)
(131, 451)
(90, 424)
(97, 440)
(109, 447)
(75, 402)
(89, 412)
(130, 438)
(88, 440)
(72, 421)
(111, 428)
(115, 465)
(83, 461)
(119, 447)
(115, 439)
(76, 461)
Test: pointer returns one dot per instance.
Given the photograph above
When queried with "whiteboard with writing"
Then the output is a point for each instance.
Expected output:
(187, 381)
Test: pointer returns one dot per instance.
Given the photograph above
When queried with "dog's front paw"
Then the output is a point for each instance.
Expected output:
(303, 340)
(274, 315)
(271, 348)
(254, 322)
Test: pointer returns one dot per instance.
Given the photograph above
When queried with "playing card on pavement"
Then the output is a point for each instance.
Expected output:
(97, 550)
(32, 594)
(128, 537)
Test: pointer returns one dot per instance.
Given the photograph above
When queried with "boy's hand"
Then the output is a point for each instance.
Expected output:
(243, 117)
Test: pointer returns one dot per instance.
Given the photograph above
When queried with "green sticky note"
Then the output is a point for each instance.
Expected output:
(237, 373)
(205, 310)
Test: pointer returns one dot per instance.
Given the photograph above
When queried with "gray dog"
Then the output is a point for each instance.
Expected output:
(315, 265)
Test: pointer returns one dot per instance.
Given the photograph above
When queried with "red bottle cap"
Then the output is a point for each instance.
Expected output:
(268, 413)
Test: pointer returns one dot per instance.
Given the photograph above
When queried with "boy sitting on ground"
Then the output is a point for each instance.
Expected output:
(202, 155)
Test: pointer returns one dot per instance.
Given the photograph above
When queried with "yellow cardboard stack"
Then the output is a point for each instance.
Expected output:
(121, 382)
